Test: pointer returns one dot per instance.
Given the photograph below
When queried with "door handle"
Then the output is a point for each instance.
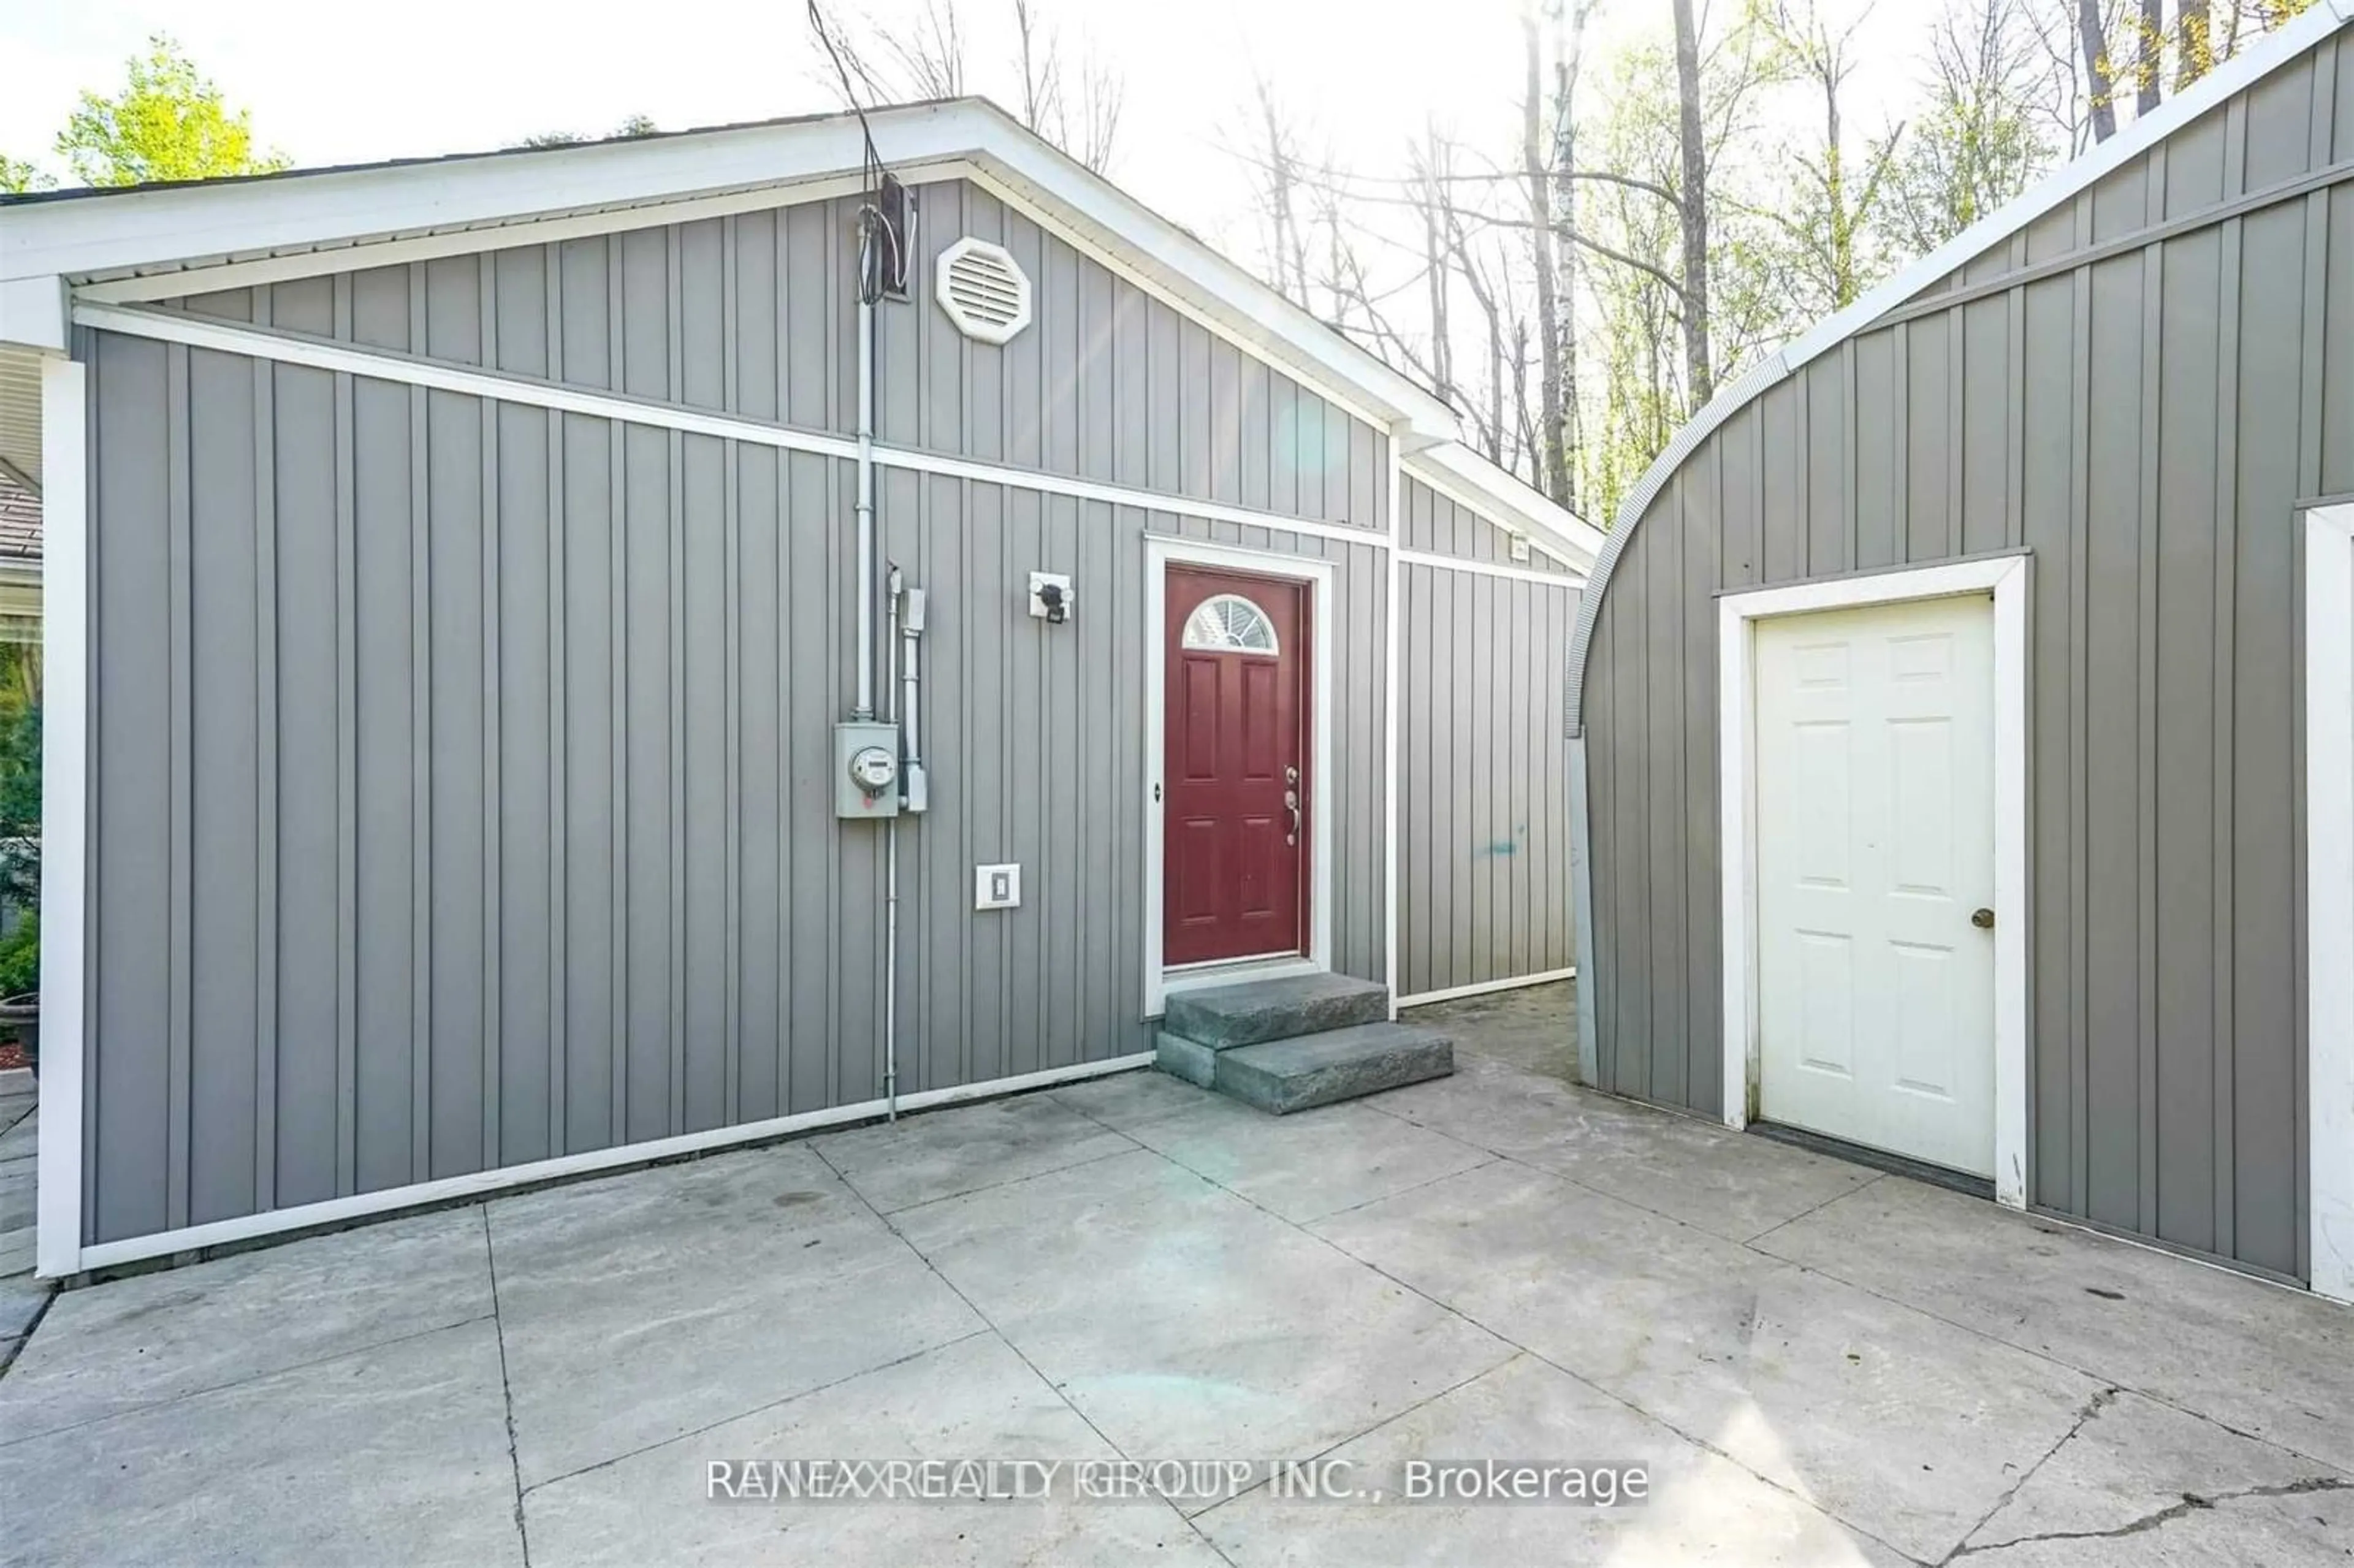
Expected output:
(1291, 804)
(1983, 919)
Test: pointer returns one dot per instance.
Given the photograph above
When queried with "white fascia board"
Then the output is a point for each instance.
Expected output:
(117, 234)
(33, 313)
(1465, 476)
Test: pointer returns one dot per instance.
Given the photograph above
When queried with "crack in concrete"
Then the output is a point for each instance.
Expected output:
(506, 1388)
(2189, 1503)
(2101, 1399)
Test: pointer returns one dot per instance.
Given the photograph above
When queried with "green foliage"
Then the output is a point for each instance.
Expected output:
(629, 129)
(169, 122)
(20, 958)
(20, 807)
(18, 175)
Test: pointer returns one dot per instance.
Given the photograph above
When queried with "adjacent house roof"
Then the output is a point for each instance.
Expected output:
(138, 243)
(2257, 60)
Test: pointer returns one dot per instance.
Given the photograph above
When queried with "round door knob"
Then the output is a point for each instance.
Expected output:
(1982, 918)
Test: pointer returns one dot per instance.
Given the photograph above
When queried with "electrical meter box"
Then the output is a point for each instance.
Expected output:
(865, 768)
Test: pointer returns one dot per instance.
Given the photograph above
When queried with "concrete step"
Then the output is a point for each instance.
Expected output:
(1222, 1017)
(1284, 1075)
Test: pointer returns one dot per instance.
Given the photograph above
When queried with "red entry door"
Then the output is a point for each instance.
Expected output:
(1235, 762)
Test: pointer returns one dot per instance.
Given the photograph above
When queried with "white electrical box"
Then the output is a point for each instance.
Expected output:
(1519, 547)
(996, 887)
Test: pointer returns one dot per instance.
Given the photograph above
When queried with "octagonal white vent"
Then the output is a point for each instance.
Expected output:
(983, 290)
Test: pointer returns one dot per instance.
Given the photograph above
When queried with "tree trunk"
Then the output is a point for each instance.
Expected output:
(1438, 263)
(1699, 380)
(1553, 469)
(2096, 68)
(2195, 48)
(2148, 67)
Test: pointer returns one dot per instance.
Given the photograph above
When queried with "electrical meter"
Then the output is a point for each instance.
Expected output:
(872, 769)
(866, 768)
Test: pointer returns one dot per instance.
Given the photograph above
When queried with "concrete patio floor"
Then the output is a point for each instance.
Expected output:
(1818, 1363)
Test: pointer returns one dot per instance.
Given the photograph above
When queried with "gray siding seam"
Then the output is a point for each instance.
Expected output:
(347, 849)
(265, 805)
(2118, 245)
(645, 412)
(487, 1006)
(2149, 436)
(178, 1156)
(2225, 590)
(560, 1069)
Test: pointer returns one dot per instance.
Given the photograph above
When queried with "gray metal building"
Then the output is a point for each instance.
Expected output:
(1955, 702)
(453, 593)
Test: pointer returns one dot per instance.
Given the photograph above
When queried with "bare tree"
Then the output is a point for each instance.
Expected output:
(1700, 377)
(1072, 99)
(2194, 46)
(1827, 219)
(2093, 34)
(1553, 462)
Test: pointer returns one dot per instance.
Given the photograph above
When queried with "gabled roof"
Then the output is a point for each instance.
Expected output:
(2233, 76)
(131, 243)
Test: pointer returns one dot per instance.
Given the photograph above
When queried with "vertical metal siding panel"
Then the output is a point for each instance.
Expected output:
(1464, 837)
(1030, 371)
(944, 840)
(1663, 586)
(1416, 651)
(1061, 353)
(1985, 416)
(1598, 1057)
(1225, 421)
(1099, 387)
(1739, 488)
(1476, 683)
(592, 813)
(986, 757)
(1520, 648)
(1251, 419)
(1879, 511)
(1630, 708)
(130, 792)
(1700, 492)
(944, 360)
(2184, 783)
(1127, 845)
(706, 918)
(2113, 748)
(644, 514)
(1830, 542)
(1064, 850)
(2263, 797)
(2047, 390)
(2337, 359)
(755, 609)
(2280, 116)
(1785, 558)
(1095, 912)
(225, 852)
(1927, 348)
(2151, 379)
(387, 744)
(178, 759)
(519, 920)
(454, 883)
(1029, 761)
(1447, 641)
(1132, 432)
(306, 730)
(2222, 743)
(805, 281)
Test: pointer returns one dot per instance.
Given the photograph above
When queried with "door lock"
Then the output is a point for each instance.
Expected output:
(1983, 919)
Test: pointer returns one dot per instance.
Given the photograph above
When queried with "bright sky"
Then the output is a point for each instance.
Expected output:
(330, 82)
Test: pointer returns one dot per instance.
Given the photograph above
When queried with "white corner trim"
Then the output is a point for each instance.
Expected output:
(1160, 551)
(2006, 577)
(319, 354)
(1568, 580)
(488, 1183)
(2330, 896)
(1486, 988)
(1393, 635)
(65, 799)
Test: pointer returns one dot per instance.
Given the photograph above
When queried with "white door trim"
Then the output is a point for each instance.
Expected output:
(1160, 552)
(2329, 898)
(2006, 577)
